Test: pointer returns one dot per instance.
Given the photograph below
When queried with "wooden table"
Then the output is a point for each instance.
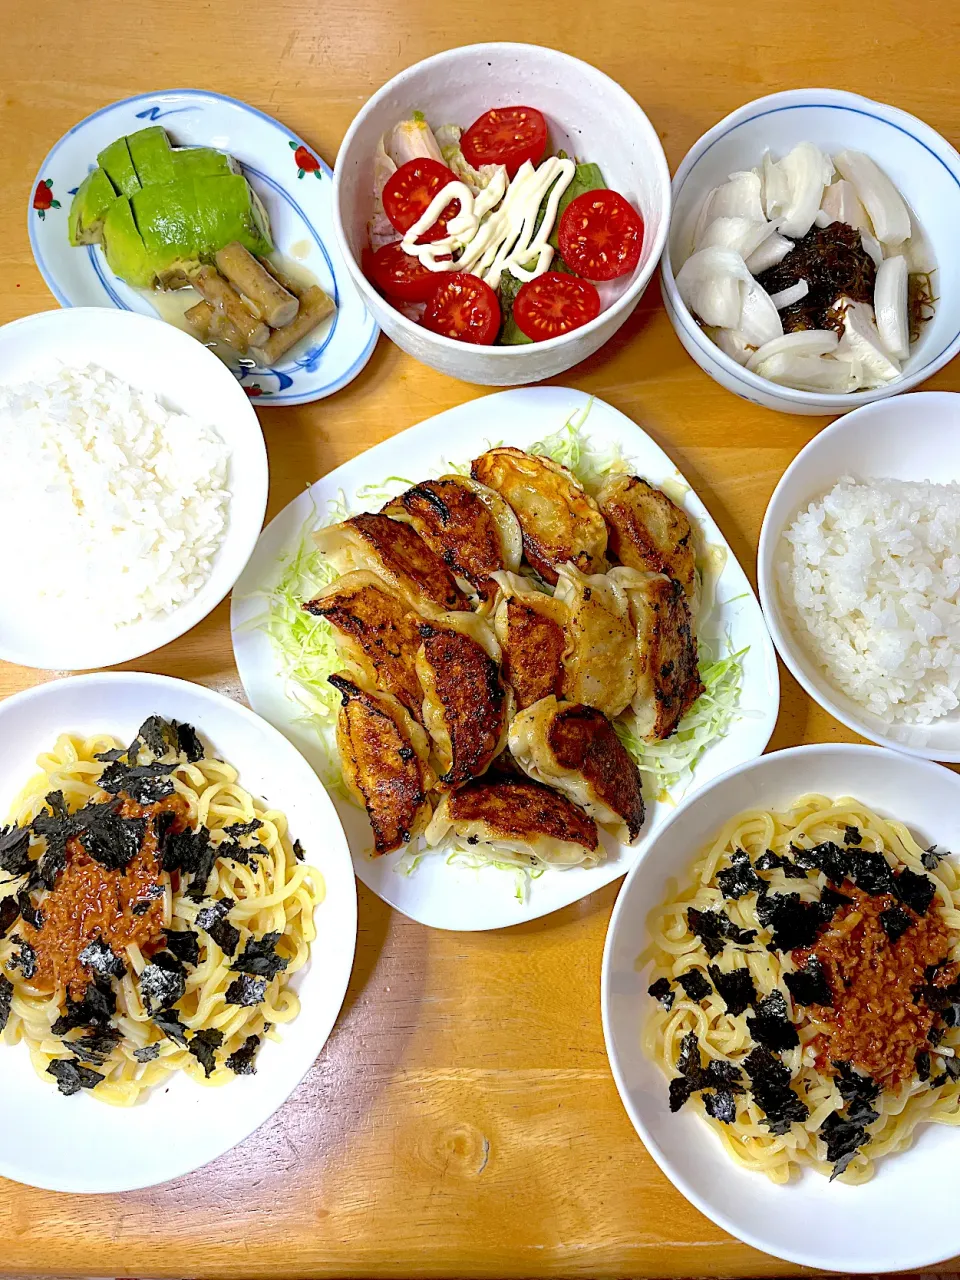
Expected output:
(462, 1120)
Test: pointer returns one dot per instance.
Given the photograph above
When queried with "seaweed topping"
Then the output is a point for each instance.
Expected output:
(9, 913)
(163, 982)
(187, 742)
(25, 958)
(144, 783)
(772, 1027)
(843, 1137)
(832, 900)
(827, 857)
(852, 835)
(936, 1035)
(192, 854)
(895, 922)
(98, 957)
(244, 828)
(185, 945)
(771, 861)
(33, 915)
(155, 734)
(834, 264)
(15, 857)
(931, 858)
(952, 1066)
(715, 929)
(809, 985)
(150, 894)
(111, 756)
(855, 1087)
(95, 1009)
(770, 1086)
(107, 837)
(740, 878)
(298, 850)
(793, 922)
(735, 989)
(662, 990)
(213, 920)
(871, 872)
(724, 1077)
(168, 1021)
(148, 1052)
(722, 1105)
(694, 984)
(96, 1045)
(204, 1045)
(6, 1000)
(915, 891)
(246, 991)
(260, 958)
(922, 1063)
(241, 1061)
(71, 1076)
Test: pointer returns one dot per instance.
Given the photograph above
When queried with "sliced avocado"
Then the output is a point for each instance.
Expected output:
(94, 196)
(228, 211)
(126, 253)
(167, 219)
(116, 163)
(151, 155)
(201, 162)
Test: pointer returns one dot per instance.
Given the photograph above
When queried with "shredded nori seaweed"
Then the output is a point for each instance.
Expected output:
(6, 1000)
(870, 872)
(662, 990)
(71, 1076)
(922, 1064)
(144, 783)
(246, 991)
(792, 921)
(772, 1027)
(715, 929)
(739, 878)
(150, 894)
(168, 1021)
(770, 1086)
(95, 1009)
(25, 958)
(722, 1105)
(771, 861)
(834, 264)
(204, 1045)
(163, 982)
(915, 891)
(241, 1062)
(259, 957)
(843, 1137)
(244, 828)
(9, 914)
(188, 742)
(895, 923)
(95, 1045)
(148, 1052)
(185, 945)
(298, 850)
(809, 985)
(33, 915)
(97, 956)
(736, 989)
(15, 857)
(931, 858)
(157, 735)
(694, 984)
(107, 837)
(852, 835)
(213, 920)
(827, 857)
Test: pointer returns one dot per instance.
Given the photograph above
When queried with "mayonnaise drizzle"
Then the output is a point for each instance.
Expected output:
(495, 239)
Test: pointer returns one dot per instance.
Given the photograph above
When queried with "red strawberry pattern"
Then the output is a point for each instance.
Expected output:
(305, 160)
(253, 390)
(43, 198)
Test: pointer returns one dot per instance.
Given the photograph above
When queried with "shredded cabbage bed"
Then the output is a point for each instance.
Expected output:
(307, 653)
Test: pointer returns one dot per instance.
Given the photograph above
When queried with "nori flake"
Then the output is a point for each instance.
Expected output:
(852, 835)
(163, 982)
(168, 1021)
(827, 857)
(9, 912)
(895, 922)
(188, 742)
(192, 854)
(770, 1086)
(111, 756)
(871, 872)
(936, 1035)
(71, 1076)
(735, 989)
(952, 1066)
(204, 1045)
(106, 836)
(662, 990)
(6, 999)
(772, 1027)
(184, 945)
(259, 957)
(715, 929)
(104, 963)
(694, 984)
(681, 1090)
(213, 920)
(722, 1105)
(241, 1061)
(96, 1009)
(793, 922)
(156, 734)
(739, 878)
(937, 1081)
(856, 1088)
(831, 900)
(246, 991)
(150, 894)
(844, 1138)
(96, 1045)
(298, 850)
(148, 1052)
(15, 857)
(915, 891)
(931, 858)
(772, 861)
(809, 985)
(244, 828)
(144, 783)
(922, 1064)
(33, 915)
(25, 959)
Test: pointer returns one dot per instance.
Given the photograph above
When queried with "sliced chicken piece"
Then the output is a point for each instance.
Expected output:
(668, 675)
(529, 625)
(574, 748)
(559, 519)
(384, 755)
(397, 554)
(465, 705)
(600, 660)
(471, 528)
(376, 632)
(648, 531)
(514, 815)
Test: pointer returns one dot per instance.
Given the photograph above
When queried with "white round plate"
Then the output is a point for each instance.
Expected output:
(436, 894)
(294, 184)
(151, 356)
(80, 1144)
(906, 1216)
(909, 437)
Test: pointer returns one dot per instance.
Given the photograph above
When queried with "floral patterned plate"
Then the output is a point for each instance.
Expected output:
(295, 187)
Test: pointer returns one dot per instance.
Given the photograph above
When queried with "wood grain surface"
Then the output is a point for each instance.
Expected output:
(462, 1119)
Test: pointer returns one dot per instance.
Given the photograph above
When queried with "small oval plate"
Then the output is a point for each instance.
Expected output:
(295, 186)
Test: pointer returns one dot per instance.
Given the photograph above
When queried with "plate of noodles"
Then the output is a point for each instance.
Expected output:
(781, 1005)
(177, 928)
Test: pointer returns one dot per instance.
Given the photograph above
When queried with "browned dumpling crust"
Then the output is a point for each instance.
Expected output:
(513, 807)
(648, 530)
(533, 646)
(383, 755)
(583, 739)
(559, 519)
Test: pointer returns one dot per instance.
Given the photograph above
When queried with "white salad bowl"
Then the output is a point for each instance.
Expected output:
(588, 115)
(152, 356)
(912, 437)
(906, 1215)
(923, 166)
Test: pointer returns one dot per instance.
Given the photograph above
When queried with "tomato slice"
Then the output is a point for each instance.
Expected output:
(409, 191)
(463, 307)
(400, 275)
(600, 235)
(506, 135)
(553, 303)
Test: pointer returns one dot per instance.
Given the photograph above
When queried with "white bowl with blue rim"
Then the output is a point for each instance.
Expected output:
(295, 187)
(923, 166)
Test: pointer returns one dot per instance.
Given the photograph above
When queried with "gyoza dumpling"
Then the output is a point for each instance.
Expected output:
(470, 527)
(384, 756)
(375, 632)
(559, 519)
(648, 531)
(465, 705)
(600, 663)
(511, 814)
(575, 749)
(668, 675)
(398, 555)
(529, 625)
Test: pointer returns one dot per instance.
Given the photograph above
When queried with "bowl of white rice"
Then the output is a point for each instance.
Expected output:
(859, 572)
(133, 485)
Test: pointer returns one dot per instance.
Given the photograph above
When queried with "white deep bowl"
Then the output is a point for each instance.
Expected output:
(152, 356)
(906, 1216)
(921, 164)
(588, 115)
(912, 437)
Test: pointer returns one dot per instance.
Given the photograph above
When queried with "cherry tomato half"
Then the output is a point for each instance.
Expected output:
(600, 235)
(506, 135)
(553, 303)
(463, 307)
(409, 191)
(400, 275)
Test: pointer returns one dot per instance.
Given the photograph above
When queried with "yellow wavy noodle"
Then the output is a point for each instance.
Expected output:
(674, 949)
(274, 893)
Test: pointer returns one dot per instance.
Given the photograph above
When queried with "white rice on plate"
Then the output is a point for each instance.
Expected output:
(872, 582)
(111, 506)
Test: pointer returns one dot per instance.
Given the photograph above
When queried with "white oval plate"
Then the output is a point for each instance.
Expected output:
(298, 200)
(906, 1216)
(184, 375)
(78, 1143)
(908, 437)
(438, 895)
